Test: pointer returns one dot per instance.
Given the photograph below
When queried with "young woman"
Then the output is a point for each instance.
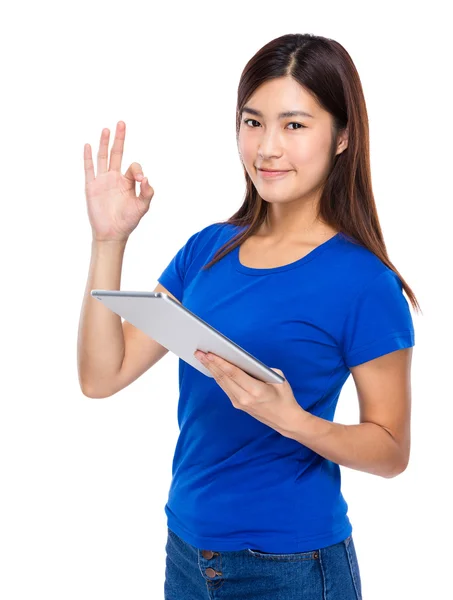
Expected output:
(299, 276)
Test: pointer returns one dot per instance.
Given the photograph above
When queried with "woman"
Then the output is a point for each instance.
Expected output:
(300, 278)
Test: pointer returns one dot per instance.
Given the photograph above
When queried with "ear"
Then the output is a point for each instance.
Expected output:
(342, 142)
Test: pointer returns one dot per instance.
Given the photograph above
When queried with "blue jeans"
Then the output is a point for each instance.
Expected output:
(330, 573)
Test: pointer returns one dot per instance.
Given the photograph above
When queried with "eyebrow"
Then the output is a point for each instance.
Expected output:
(282, 115)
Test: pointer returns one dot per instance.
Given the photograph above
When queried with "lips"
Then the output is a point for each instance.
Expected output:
(272, 174)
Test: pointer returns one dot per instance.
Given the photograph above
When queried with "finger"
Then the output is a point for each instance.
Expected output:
(246, 382)
(103, 153)
(88, 165)
(116, 152)
(134, 173)
(231, 389)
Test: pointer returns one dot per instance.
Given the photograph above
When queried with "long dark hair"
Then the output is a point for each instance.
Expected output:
(323, 67)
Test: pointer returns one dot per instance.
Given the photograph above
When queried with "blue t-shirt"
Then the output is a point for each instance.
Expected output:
(236, 482)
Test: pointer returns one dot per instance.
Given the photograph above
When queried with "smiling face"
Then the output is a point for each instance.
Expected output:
(299, 144)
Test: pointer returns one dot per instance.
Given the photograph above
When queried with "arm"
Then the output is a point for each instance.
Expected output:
(380, 444)
(100, 343)
(110, 354)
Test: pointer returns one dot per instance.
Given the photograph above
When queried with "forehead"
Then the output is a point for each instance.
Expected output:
(282, 95)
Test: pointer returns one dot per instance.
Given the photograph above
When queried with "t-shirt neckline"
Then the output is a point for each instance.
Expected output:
(234, 254)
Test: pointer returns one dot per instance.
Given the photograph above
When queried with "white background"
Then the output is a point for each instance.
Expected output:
(84, 481)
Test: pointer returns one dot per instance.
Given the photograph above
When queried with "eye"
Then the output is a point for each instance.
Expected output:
(292, 123)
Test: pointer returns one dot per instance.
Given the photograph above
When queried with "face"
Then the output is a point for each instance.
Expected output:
(298, 144)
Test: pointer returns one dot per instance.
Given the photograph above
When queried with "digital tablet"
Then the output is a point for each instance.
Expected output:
(180, 330)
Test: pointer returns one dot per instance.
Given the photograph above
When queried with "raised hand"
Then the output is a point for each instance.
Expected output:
(114, 209)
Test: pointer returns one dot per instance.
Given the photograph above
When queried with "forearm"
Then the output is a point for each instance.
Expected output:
(364, 447)
(100, 343)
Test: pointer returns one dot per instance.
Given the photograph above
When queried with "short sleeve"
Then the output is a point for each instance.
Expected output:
(172, 277)
(378, 321)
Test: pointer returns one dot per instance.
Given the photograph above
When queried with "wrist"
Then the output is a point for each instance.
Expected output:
(297, 422)
(109, 242)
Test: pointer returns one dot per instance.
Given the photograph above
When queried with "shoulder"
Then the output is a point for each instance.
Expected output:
(215, 235)
(361, 268)
(208, 235)
(200, 245)
(215, 229)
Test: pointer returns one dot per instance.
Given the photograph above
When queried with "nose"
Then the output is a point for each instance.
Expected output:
(269, 146)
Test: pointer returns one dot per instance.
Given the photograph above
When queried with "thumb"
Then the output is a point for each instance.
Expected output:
(146, 191)
(280, 372)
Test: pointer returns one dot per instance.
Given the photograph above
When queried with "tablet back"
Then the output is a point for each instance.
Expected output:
(180, 330)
